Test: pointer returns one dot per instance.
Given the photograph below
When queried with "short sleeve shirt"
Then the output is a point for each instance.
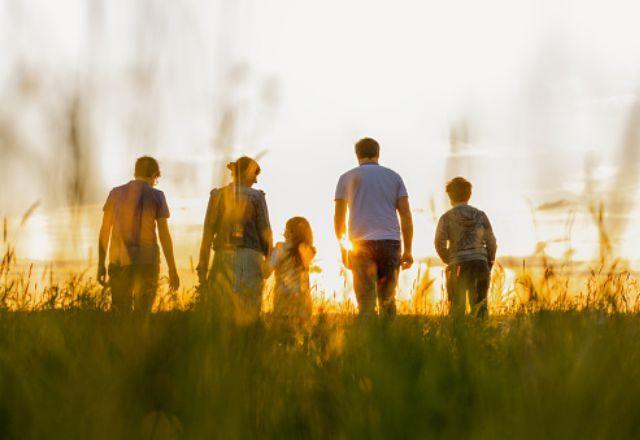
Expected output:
(372, 192)
(134, 209)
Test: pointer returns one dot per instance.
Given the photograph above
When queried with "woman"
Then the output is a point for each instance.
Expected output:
(237, 227)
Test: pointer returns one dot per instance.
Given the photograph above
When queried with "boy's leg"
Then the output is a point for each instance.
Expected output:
(365, 272)
(120, 285)
(388, 261)
(145, 283)
(456, 290)
(482, 278)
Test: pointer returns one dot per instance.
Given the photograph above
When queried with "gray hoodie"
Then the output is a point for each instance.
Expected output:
(464, 234)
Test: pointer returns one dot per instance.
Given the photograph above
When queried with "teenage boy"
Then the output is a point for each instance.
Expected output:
(131, 216)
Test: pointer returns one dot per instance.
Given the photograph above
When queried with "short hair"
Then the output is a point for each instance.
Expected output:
(147, 166)
(367, 148)
(458, 189)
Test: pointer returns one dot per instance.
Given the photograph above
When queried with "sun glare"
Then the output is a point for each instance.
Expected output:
(346, 244)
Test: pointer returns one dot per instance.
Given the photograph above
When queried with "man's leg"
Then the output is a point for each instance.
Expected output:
(365, 274)
(145, 283)
(388, 262)
(120, 285)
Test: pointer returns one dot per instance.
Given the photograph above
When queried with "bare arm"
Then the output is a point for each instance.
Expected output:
(340, 228)
(103, 244)
(440, 241)
(167, 248)
(339, 219)
(406, 224)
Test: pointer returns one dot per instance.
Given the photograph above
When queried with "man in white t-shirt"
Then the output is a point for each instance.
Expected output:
(374, 196)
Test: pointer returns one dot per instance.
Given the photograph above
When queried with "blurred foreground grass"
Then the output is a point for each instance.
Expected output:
(559, 358)
(87, 374)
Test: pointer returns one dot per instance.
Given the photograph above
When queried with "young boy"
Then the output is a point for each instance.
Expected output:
(131, 214)
(466, 244)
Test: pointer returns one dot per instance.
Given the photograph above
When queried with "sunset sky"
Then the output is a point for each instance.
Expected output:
(535, 97)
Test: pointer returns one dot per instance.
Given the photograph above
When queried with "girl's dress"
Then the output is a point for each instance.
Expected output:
(292, 294)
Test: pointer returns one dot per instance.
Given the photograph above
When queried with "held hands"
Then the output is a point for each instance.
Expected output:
(406, 261)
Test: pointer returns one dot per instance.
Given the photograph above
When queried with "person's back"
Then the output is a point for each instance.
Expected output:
(236, 227)
(292, 290)
(135, 207)
(291, 260)
(469, 235)
(374, 196)
(372, 192)
(465, 242)
(132, 213)
(241, 216)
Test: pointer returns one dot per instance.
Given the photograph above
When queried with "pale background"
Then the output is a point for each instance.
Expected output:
(536, 102)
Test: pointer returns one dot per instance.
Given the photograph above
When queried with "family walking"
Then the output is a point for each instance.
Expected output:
(237, 230)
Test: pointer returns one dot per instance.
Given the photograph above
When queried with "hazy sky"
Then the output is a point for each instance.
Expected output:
(529, 89)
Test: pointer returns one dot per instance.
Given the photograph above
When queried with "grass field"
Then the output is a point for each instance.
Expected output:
(549, 362)
(86, 374)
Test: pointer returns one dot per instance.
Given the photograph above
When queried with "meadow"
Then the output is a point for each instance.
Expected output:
(550, 366)
(85, 374)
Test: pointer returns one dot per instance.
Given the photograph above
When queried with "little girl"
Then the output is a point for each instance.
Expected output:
(291, 261)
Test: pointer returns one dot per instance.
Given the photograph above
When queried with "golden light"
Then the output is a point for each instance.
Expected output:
(346, 244)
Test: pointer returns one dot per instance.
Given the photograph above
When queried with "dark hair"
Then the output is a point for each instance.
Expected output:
(242, 166)
(459, 189)
(147, 166)
(299, 232)
(367, 148)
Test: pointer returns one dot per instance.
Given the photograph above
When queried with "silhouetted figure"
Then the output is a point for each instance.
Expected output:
(237, 227)
(132, 213)
(374, 195)
(291, 261)
(465, 242)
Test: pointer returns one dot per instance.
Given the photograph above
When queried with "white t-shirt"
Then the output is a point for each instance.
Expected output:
(372, 192)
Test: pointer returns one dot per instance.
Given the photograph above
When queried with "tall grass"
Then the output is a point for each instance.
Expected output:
(559, 357)
(87, 374)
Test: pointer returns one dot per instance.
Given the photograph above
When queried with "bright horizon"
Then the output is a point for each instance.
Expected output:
(303, 83)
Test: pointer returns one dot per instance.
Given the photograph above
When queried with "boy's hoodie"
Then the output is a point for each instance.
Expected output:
(469, 236)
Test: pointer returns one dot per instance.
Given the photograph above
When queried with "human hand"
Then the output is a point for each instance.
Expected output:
(406, 261)
(202, 275)
(174, 279)
(306, 254)
(102, 275)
